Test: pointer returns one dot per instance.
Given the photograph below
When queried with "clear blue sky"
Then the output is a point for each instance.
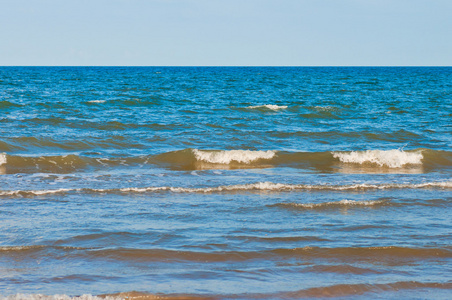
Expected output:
(226, 32)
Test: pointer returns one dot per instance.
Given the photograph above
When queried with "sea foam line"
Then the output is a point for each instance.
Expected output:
(258, 186)
(388, 158)
(342, 203)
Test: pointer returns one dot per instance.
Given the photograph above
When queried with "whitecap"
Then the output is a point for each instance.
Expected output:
(344, 203)
(388, 158)
(226, 157)
(269, 106)
(2, 158)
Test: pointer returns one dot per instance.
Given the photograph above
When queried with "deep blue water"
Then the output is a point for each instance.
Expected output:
(226, 182)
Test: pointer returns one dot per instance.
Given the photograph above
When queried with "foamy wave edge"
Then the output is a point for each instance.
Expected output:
(337, 290)
(342, 203)
(258, 186)
(229, 156)
(268, 106)
(97, 101)
(384, 158)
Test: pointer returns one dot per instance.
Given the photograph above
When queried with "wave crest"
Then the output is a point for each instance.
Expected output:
(227, 157)
(251, 187)
(370, 161)
(334, 204)
(268, 106)
(383, 158)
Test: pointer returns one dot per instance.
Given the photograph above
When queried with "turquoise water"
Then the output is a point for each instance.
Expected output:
(226, 182)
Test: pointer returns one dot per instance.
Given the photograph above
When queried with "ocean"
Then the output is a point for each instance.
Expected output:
(225, 182)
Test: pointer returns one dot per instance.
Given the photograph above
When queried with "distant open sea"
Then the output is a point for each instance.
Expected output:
(225, 182)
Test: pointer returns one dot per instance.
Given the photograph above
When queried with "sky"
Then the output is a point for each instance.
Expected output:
(225, 32)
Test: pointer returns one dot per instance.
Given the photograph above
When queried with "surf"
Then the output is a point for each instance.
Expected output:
(250, 187)
(366, 161)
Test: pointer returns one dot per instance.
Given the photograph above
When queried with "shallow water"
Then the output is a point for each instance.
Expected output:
(237, 183)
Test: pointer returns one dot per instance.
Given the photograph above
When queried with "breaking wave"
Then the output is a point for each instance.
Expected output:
(389, 158)
(97, 101)
(268, 107)
(226, 157)
(370, 161)
(252, 187)
(333, 204)
(195, 159)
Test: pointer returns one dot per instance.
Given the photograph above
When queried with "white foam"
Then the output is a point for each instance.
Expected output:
(441, 184)
(97, 101)
(258, 186)
(280, 187)
(388, 158)
(338, 203)
(35, 192)
(45, 192)
(269, 106)
(226, 157)
(266, 186)
(19, 248)
(2, 158)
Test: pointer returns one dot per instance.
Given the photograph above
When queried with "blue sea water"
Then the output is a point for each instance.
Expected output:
(229, 183)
